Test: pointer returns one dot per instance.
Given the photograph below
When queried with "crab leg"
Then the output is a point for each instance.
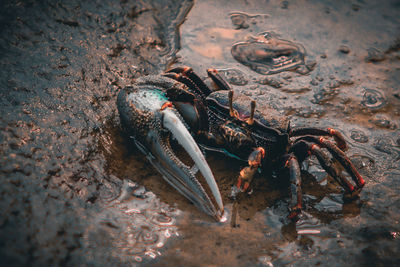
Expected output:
(340, 156)
(303, 149)
(339, 139)
(296, 202)
(217, 79)
(188, 72)
(247, 173)
(186, 81)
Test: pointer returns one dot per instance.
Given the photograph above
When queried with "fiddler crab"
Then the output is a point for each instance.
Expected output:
(178, 105)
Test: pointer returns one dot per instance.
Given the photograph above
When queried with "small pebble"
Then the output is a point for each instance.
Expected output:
(344, 49)
(374, 55)
(355, 7)
(310, 64)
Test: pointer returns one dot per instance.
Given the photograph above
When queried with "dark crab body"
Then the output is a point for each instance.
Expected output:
(179, 104)
(268, 130)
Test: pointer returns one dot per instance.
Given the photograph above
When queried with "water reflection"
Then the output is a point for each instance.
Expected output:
(329, 88)
(267, 54)
(135, 222)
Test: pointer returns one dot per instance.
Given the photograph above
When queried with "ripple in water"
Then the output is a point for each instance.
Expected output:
(266, 54)
(384, 144)
(359, 136)
(373, 99)
(364, 164)
(135, 225)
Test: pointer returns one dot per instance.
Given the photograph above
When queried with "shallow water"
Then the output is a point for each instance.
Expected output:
(75, 190)
(349, 81)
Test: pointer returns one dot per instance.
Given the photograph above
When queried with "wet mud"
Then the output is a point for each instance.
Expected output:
(75, 191)
(62, 65)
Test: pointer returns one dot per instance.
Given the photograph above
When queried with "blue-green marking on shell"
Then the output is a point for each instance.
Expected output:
(148, 99)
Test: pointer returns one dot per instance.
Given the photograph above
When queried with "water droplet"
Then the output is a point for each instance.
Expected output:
(167, 234)
(285, 4)
(151, 254)
(373, 99)
(270, 81)
(147, 236)
(359, 136)
(384, 144)
(364, 164)
(344, 49)
(162, 219)
(383, 122)
(240, 20)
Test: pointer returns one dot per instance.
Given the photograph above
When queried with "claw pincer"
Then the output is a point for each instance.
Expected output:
(151, 120)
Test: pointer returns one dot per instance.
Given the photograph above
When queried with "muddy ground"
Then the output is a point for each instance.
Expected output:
(74, 190)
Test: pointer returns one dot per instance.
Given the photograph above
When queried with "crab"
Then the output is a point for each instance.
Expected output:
(177, 106)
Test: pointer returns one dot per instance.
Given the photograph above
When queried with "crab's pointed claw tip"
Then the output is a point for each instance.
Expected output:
(193, 189)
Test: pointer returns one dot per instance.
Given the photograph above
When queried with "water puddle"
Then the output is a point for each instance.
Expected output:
(135, 225)
(267, 54)
(345, 80)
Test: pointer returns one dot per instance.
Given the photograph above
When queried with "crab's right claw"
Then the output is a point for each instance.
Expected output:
(163, 122)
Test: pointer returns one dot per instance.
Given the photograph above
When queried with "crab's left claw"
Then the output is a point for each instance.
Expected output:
(152, 121)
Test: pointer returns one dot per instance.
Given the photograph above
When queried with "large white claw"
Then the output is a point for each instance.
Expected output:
(185, 139)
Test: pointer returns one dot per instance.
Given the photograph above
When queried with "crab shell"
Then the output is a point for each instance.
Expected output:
(269, 130)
